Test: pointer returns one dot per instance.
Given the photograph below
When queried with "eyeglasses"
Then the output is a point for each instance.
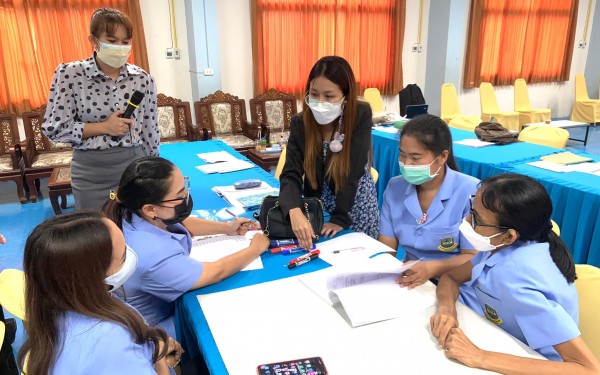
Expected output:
(311, 102)
(187, 184)
(474, 222)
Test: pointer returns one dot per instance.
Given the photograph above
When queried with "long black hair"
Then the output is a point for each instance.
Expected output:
(522, 203)
(433, 133)
(145, 181)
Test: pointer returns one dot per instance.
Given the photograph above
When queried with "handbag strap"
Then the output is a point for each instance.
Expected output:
(266, 231)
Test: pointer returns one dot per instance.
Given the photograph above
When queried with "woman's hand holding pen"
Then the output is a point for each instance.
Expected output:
(238, 227)
(174, 353)
(117, 126)
(302, 228)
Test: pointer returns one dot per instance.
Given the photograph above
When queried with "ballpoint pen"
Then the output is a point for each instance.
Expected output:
(349, 249)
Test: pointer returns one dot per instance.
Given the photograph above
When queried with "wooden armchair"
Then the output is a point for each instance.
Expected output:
(11, 160)
(273, 110)
(175, 121)
(225, 116)
(41, 155)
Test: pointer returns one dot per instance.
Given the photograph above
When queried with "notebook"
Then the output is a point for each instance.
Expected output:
(565, 158)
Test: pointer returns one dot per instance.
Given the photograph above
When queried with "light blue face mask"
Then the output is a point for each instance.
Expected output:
(417, 174)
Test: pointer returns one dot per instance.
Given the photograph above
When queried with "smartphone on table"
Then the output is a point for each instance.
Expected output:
(305, 366)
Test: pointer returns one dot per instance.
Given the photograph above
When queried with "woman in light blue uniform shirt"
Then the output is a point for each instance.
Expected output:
(423, 207)
(152, 205)
(74, 325)
(523, 278)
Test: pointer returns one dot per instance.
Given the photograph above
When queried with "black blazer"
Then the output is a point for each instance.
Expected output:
(291, 177)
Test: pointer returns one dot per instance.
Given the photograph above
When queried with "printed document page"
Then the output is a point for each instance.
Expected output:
(217, 156)
(226, 166)
(213, 248)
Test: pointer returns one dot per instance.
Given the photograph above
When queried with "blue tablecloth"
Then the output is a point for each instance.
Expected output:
(192, 328)
(576, 200)
(478, 162)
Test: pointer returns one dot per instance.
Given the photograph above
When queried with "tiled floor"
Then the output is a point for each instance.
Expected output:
(17, 221)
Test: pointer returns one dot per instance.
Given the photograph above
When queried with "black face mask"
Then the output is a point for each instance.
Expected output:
(182, 212)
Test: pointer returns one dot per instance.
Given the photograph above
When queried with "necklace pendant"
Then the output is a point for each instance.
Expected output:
(423, 218)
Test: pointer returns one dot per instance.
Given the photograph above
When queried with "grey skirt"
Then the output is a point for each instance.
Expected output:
(94, 173)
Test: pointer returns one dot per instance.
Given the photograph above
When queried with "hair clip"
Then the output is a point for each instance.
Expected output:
(113, 196)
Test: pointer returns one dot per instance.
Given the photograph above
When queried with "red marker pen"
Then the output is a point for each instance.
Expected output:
(304, 259)
(280, 249)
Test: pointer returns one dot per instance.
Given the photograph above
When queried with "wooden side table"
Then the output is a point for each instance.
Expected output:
(59, 185)
(265, 160)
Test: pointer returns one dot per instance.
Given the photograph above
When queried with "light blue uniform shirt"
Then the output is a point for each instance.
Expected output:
(91, 346)
(521, 290)
(165, 270)
(438, 237)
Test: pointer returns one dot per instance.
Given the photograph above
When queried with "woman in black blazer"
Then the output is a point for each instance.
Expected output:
(328, 155)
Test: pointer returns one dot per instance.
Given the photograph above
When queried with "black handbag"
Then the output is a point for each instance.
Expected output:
(276, 226)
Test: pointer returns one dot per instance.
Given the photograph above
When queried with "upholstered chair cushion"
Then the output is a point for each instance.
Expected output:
(235, 140)
(166, 122)
(52, 159)
(221, 115)
(6, 164)
(274, 114)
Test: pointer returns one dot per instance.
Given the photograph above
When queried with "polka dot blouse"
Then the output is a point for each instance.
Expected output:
(81, 93)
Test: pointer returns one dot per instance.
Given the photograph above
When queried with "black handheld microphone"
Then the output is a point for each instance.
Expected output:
(132, 104)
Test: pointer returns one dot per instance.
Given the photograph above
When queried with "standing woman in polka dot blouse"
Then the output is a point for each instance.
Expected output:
(86, 101)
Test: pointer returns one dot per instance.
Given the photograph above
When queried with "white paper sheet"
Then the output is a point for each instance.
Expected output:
(213, 248)
(591, 168)
(217, 156)
(226, 166)
(474, 142)
(388, 129)
(350, 241)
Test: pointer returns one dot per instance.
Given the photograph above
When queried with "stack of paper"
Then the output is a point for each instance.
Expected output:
(217, 156)
(474, 142)
(368, 292)
(565, 158)
(225, 167)
(213, 248)
(249, 199)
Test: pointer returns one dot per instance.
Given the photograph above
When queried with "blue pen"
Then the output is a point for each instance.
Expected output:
(296, 250)
(291, 241)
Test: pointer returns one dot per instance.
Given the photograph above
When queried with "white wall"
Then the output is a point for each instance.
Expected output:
(172, 76)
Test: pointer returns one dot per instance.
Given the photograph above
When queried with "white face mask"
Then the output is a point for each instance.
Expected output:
(479, 242)
(112, 54)
(116, 280)
(325, 112)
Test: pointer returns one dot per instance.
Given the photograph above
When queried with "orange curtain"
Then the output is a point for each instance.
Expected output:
(530, 39)
(38, 35)
(290, 36)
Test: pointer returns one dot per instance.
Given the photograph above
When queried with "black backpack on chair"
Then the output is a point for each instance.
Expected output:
(410, 95)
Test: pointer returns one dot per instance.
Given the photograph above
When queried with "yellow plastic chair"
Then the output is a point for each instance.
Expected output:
(374, 174)
(12, 292)
(545, 135)
(450, 112)
(489, 108)
(528, 115)
(2, 333)
(280, 164)
(555, 228)
(373, 97)
(588, 284)
(585, 109)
